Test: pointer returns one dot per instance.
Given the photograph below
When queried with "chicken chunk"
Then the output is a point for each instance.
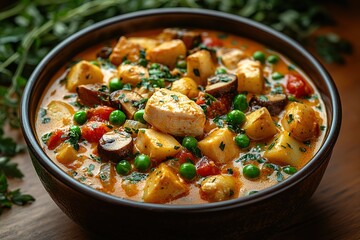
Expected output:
(83, 73)
(167, 53)
(200, 66)
(230, 57)
(159, 146)
(125, 49)
(250, 76)
(174, 113)
(219, 146)
(218, 188)
(163, 185)
(132, 74)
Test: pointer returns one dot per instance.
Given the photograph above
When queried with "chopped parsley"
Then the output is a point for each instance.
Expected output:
(196, 72)
(291, 118)
(175, 97)
(222, 146)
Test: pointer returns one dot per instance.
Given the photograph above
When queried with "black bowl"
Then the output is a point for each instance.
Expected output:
(106, 214)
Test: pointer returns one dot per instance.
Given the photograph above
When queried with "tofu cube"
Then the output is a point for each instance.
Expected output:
(125, 49)
(83, 73)
(186, 86)
(219, 146)
(163, 185)
(200, 66)
(285, 150)
(167, 53)
(259, 125)
(159, 146)
(66, 154)
(250, 76)
(231, 57)
(132, 74)
(174, 113)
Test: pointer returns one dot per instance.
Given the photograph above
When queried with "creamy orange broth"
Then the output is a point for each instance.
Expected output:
(79, 169)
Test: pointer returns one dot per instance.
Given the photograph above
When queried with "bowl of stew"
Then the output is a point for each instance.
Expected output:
(176, 119)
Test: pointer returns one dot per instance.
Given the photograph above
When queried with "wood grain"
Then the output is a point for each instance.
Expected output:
(332, 213)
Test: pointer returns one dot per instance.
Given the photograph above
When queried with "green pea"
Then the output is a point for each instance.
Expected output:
(259, 56)
(242, 140)
(235, 117)
(272, 59)
(277, 76)
(155, 66)
(80, 117)
(190, 143)
(289, 170)
(123, 167)
(139, 116)
(187, 171)
(142, 162)
(251, 171)
(159, 83)
(181, 64)
(240, 102)
(75, 131)
(220, 71)
(115, 84)
(117, 117)
(143, 62)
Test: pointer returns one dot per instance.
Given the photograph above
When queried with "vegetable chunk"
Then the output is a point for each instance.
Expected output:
(259, 125)
(300, 120)
(218, 188)
(219, 146)
(285, 150)
(200, 66)
(167, 53)
(60, 113)
(186, 86)
(163, 185)
(125, 49)
(174, 113)
(145, 43)
(159, 146)
(132, 74)
(66, 154)
(250, 76)
(83, 73)
(230, 57)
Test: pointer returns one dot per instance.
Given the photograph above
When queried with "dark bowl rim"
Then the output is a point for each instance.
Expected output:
(324, 151)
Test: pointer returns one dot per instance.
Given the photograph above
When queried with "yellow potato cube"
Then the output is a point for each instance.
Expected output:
(186, 86)
(285, 150)
(219, 146)
(230, 57)
(145, 43)
(163, 185)
(125, 49)
(60, 113)
(259, 125)
(66, 154)
(159, 146)
(83, 73)
(200, 66)
(219, 188)
(167, 53)
(132, 74)
(250, 76)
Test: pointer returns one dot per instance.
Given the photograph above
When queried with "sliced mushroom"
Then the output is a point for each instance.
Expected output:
(190, 38)
(126, 100)
(93, 94)
(275, 103)
(221, 84)
(114, 146)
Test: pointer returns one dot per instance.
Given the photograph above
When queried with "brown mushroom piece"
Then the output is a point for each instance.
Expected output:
(114, 146)
(191, 39)
(220, 84)
(275, 103)
(126, 100)
(93, 94)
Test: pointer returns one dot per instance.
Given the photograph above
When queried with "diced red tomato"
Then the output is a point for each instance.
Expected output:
(219, 107)
(206, 167)
(200, 101)
(212, 42)
(297, 86)
(185, 156)
(56, 138)
(100, 113)
(93, 131)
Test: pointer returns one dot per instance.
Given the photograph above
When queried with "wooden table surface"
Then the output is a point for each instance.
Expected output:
(332, 213)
